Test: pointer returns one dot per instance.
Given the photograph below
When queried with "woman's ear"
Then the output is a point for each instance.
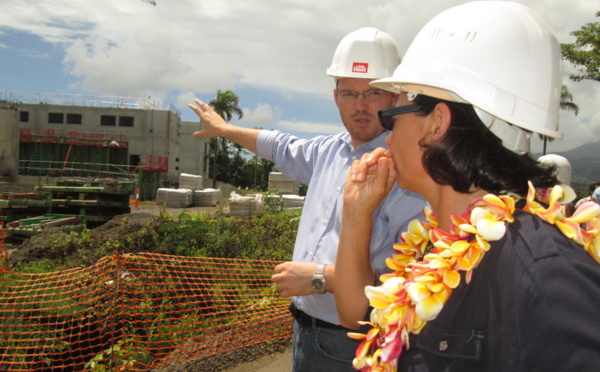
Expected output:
(441, 117)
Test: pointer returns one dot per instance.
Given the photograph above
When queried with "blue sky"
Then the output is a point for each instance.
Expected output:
(271, 53)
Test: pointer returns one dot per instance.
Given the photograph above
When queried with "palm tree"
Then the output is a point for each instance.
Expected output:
(226, 105)
(566, 103)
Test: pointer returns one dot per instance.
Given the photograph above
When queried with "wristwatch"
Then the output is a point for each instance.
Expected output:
(318, 280)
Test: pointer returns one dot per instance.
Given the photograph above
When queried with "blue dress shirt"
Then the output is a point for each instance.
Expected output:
(323, 163)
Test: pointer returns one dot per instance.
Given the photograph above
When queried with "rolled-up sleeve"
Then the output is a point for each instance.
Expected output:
(293, 156)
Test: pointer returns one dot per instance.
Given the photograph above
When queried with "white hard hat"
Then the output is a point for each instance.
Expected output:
(563, 167)
(499, 56)
(366, 53)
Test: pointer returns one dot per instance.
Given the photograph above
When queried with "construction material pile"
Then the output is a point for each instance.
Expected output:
(174, 198)
(206, 197)
(190, 181)
(245, 206)
(282, 184)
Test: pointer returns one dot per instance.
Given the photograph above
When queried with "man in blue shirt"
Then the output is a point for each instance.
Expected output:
(319, 342)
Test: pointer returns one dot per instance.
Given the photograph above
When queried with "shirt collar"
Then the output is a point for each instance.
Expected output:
(376, 142)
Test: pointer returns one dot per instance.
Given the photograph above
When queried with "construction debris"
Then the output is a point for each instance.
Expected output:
(99, 200)
(16, 206)
(25, 228)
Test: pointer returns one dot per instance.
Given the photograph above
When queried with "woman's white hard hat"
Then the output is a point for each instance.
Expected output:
(499, 56)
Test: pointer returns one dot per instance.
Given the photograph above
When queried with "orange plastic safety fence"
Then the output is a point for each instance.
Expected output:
(137, 312)
(3, 249)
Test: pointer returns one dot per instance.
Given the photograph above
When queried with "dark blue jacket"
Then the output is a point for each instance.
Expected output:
(533, 305)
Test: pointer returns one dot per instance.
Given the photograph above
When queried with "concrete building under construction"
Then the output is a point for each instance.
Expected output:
(94, 136)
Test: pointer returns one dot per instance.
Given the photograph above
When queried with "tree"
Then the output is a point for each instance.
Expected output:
(566, 100)
(566, 103)
(585, 52)
(226, 105)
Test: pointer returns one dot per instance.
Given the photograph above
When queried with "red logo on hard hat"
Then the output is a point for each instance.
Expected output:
(360, 67)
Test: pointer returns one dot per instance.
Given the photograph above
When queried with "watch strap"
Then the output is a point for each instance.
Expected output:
(320, 269)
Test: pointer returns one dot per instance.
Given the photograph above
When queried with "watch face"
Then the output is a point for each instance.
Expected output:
(317, 284)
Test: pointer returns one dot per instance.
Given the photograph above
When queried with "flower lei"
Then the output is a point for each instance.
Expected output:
(423, 280)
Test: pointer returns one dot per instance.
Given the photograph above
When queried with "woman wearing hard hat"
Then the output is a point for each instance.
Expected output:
(497, 278)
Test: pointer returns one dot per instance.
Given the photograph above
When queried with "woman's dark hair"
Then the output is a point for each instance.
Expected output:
(471, 155)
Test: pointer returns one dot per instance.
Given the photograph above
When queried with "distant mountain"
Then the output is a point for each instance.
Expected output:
(585, 161)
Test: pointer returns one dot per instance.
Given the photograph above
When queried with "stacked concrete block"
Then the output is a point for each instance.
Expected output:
(174, 198)
(190, 181)
(292, 202)
(245, 206)
(206, 197)
(161, 196)
(279, 182)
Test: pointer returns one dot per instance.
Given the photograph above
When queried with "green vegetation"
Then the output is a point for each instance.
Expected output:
(584, 53)
(268, 237)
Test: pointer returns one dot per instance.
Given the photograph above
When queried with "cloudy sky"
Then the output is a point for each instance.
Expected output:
(271, 53)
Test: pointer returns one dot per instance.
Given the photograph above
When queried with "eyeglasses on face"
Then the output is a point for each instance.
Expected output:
(371, 95)
(386, 116)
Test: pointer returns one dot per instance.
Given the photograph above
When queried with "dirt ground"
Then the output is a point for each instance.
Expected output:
(278, 362)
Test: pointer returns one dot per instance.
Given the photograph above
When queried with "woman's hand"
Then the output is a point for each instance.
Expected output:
(369, 180)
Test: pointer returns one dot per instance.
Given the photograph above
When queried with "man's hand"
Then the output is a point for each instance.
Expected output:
(212, 123)
(213, 126)
(294, 278)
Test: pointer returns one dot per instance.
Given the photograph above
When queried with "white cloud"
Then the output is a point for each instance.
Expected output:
(185, 98)
(132, 47)
(263, 115)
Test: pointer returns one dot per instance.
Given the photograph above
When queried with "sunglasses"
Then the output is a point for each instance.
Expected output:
(386, 116)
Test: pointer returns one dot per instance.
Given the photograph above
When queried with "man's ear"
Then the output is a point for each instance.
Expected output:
(442, 117)
(335, 97)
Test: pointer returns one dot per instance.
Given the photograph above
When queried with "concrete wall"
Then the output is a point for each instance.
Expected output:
(192, 150)
(153, 132)
(9, 141)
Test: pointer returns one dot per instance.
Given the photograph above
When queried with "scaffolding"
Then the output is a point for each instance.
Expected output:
(88, 100)
(50, 152)
(149, 173)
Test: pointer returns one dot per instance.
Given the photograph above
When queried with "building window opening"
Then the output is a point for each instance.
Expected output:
(126, 121)
(24, 116)
(56, 118)
(134, 160)
(74, 119)
(108, 120)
